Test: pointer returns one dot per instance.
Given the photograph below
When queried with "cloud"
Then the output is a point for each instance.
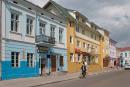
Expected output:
(113, 15)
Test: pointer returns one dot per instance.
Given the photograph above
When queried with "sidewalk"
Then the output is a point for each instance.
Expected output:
(35, 81)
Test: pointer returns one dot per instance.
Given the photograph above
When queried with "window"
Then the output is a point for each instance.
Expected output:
(89, 47)
(71, 39)
(42, 27)
(125, 54)
(71, 57)
(79, 58)
(83, 31)
(95, 37)
(14, 22)
(52, 33)
(121, 54)
(30, 60)
(92, 36)
(70, 23)
(29, 26)
(60, 35)
(84, 45)
(61, 61)
(78, 43)
(92, 60)
(15, 59)
(77, 28)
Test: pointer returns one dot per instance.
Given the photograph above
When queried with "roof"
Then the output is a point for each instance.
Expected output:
(125, 49)
(63, 10)
(112, 41)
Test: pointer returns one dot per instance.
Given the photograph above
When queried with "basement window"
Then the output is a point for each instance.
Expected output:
(30, 8)
(15, 2)
(42, 14)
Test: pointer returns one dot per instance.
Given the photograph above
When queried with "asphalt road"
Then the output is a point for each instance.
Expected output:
(111, 79)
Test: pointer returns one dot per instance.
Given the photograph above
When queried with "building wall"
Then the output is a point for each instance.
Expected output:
(0, 35)
(18, 42)
(57, 25)
(71, 46)
(124, 56)
(113, 53)
(8, 72)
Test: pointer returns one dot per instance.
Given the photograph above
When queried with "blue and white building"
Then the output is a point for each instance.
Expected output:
(124, 55)
(33, 41)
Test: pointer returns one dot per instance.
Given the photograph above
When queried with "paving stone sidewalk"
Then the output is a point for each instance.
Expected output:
(35, 81)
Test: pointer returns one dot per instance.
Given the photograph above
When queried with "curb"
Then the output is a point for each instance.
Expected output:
(94, 74)
(53, 82)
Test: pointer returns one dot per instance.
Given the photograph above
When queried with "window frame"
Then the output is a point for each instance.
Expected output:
(30, 60)
(71, 39)
(14, 22)
(29, 26)
(15, 63)
(78, 44)
(61, 35)
(42, 28)
(52, 31)
(72, 57)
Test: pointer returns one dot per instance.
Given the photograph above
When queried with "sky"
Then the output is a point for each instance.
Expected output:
(112, 15)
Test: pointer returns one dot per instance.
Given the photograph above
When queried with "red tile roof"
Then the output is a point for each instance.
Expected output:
(125, 49)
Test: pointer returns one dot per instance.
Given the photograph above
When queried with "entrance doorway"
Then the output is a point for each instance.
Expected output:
(53, 63)
(43, 66)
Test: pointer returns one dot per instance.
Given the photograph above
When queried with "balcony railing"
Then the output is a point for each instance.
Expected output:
(45, 39)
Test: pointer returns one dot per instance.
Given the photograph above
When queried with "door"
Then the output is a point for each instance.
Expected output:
(43, 66)
(53, 63)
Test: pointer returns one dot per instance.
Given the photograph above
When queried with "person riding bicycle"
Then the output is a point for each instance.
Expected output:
(83, 69)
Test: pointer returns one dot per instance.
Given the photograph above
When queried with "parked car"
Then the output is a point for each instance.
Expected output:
(127, 64)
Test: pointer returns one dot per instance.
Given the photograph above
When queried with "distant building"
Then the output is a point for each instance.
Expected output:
(124, 54)
(113, 53)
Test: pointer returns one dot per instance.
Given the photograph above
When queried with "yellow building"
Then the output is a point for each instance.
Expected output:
(84, 42)
(105, 46)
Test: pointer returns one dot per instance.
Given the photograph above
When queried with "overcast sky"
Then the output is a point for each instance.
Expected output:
(113, 15)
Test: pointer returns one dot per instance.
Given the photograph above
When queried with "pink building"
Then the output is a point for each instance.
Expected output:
(113, 53)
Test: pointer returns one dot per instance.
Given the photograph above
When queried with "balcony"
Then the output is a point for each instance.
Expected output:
(94, 52)
(45, 40)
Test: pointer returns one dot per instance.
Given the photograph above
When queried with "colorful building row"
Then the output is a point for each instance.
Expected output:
(50, 40)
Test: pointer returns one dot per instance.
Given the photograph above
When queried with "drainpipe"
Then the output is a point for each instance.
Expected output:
(35, 30)
(0, 37)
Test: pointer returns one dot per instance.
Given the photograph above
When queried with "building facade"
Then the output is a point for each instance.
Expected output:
(83, 40)
(113, 54)
(124, 55)
(33, 41)
(105, 46)
(0, 35)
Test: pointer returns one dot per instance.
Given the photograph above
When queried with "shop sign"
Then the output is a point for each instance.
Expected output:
(42, 49)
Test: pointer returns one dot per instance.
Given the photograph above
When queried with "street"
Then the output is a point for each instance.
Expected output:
(111, 79)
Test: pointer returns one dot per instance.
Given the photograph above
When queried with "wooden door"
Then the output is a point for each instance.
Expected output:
(43, 65)
(53, 63)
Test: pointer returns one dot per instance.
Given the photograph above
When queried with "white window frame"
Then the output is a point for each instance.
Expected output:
(14, 22)
(52, 31)
(79, 57)
(14, 64)
(30, 60)
(78, 44)
(71, 39)
(84, 45)
(42, 27)
(60, 35)
(71, 57)
(29, 26)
